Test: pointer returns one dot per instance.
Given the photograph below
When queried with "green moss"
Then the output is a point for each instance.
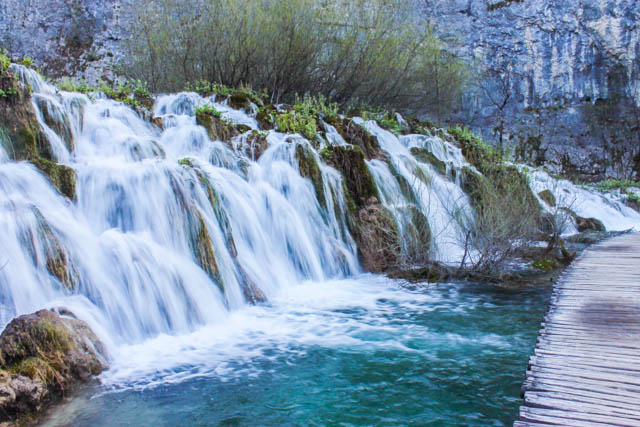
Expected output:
(615, 184)
(208, 109)
(309, 168)
(265, 116)
(240, 101)
(545, 264)
(217, 128)
(476, 186)
(220, 213)
(360, 137)
(476, 151)
(62, 177)
(425, 156)
(360, 183)
(548, 197)
(186, 162)
(35, 368)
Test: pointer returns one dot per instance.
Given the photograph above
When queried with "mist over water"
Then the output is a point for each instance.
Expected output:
(172, 236)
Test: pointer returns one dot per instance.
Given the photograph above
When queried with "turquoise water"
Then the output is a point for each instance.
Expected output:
(353, 352)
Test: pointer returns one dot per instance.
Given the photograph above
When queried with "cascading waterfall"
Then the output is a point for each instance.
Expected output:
(171, 233)
(438, 197)
(585, 202)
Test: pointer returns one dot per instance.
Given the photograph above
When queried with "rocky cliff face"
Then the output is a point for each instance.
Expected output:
(561, 75)
(560, 78)
(66, 37)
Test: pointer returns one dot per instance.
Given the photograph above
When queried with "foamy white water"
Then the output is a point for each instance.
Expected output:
(165, 255)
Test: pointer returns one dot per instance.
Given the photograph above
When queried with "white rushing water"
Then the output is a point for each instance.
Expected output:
(586, 202)
(171, 235)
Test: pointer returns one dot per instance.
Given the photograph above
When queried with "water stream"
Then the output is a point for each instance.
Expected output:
(172, 237)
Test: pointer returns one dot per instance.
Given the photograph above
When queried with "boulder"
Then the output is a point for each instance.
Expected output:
(44, 356)
(585, 224)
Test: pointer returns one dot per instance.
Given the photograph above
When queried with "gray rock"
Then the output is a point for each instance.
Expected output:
(80, 38)
(570, 74)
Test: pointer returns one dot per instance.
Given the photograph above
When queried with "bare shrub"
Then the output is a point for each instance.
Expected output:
(372, 51)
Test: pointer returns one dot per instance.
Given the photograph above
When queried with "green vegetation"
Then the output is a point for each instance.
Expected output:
(385, 119)
(545, 264)
(297, 122)
(617, 184)
(208, 109)
(477, 152)
(7, 88)
(5, 62)
(548, 197)
(185, 162)
(426, 156)
(134, 93)
(634, 198)
(238, 97)
(379, 52)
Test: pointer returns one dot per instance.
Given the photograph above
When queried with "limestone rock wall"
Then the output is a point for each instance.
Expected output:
(568, 72)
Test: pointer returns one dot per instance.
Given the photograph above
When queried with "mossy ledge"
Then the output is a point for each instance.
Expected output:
(44, 357)
(23, 139)
(371, 224)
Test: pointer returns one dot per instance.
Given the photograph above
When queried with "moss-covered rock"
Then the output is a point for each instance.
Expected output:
(377, 237)
(58, 122)
(61, 176)
(360, 137)
(23, 139)
(43, 357)
(476, 186)
(256, 145)
(585, 224)
(239, 101)
(350, 161)
(545, 264)
(221, 215)
(251, 291)
(265, 117)
(547, 197)
(22, 136)
(216, 127)
(309, 168)
(425, 156)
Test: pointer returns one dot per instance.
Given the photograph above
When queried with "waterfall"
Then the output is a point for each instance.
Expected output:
(584, 201)
(153, 245)
(171, 232)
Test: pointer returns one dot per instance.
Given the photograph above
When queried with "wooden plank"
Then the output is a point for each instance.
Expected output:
(574, 418)
(546, 399)
(585, 370)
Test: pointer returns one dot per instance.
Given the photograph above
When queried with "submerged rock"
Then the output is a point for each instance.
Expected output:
(43, 357)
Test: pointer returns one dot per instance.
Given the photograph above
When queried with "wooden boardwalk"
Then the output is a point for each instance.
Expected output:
(586, 367)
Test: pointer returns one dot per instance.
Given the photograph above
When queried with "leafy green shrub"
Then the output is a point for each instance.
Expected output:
(299, 122)
(633, 198)
(4, 61)
(208, 109)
